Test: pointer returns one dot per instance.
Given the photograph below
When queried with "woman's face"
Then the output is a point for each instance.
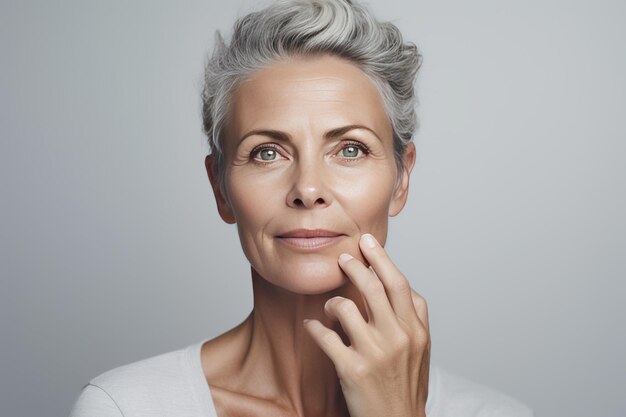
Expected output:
(309, 168)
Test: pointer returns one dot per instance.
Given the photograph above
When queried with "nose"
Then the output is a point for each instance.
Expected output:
(308, 189)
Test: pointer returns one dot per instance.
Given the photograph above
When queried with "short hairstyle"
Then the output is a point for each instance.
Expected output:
(288, 28)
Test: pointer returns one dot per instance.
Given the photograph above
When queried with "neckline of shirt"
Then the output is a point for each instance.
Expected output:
(205, 398)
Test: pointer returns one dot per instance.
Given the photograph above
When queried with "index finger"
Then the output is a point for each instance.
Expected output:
(396, 284)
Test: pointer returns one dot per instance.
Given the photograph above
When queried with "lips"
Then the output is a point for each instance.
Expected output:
(309, 238)
(309, 233)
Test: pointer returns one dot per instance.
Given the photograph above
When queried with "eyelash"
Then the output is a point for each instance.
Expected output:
(258, 148)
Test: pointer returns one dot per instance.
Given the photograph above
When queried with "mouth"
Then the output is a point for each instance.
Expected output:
(309, 238)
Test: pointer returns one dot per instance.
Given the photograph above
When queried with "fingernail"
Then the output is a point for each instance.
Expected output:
(345, 257)
(369, 240)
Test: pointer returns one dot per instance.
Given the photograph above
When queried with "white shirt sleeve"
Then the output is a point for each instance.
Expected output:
(93, 401)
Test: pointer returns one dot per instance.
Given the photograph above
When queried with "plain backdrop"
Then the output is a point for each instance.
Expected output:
(112, 249)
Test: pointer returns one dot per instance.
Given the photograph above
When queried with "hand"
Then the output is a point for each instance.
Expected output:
(384, 371)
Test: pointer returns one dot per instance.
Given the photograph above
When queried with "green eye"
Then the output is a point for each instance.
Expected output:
(350, 151)
(267, 154)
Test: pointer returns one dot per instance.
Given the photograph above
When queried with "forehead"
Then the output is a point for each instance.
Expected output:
(313, 93)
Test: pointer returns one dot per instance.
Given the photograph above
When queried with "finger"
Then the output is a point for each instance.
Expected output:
(372, 290)
(396, 284)
(421, 307)
(368, 312)
(347, 313)
(329, 341)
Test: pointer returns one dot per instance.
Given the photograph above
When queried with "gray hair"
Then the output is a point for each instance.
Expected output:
(287, 28)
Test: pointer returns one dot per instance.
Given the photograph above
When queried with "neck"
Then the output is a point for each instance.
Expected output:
(296, 372)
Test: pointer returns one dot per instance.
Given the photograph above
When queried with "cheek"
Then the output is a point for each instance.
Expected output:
(248, 197)
(254, 201)
(367, 206)
(366, 196)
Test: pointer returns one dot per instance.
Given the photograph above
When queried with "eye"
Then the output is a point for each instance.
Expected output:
(353, 150)
(265, 153)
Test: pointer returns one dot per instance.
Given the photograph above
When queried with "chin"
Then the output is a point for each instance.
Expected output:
(309, 279)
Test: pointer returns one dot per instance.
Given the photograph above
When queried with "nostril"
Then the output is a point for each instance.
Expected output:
(304, 202)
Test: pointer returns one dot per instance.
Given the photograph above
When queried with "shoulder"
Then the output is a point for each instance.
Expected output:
(146, 374)
(144, 387)
(462, 397)
(93, 401)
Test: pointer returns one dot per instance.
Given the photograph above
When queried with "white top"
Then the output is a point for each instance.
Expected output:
(173, 384)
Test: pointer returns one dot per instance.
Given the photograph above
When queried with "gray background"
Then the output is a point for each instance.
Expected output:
(112, 250)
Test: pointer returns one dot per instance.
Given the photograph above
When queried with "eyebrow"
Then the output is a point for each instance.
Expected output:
(284, 137)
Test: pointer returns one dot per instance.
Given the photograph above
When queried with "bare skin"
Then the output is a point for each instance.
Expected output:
(305, 178)
(248, 374)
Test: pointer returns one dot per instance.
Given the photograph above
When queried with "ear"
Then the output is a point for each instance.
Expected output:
(402, 189)
(223, 207)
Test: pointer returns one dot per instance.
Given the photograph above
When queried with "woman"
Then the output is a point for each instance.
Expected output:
(310, 116)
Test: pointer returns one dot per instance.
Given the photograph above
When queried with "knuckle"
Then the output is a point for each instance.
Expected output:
(402, 286)
(421, 306)
(375, 287)
(402, 342)
(362, 370)
(329, 338)
(378, 355)
(419, 301)
(422, 336)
